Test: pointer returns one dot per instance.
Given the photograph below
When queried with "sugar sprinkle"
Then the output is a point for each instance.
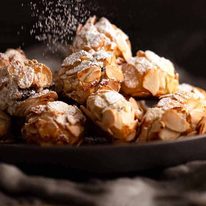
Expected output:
(57, 21)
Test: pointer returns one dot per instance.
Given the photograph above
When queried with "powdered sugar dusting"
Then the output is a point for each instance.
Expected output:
(84, 65)
(58, 20)
(113, 97)
(76, 57)
(102, 55)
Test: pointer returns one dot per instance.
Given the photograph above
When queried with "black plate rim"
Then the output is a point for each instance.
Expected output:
(106, 146)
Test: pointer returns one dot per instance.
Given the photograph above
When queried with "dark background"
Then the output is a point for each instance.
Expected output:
(172, 28)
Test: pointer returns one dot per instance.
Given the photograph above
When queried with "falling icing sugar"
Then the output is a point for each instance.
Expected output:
(56, 21)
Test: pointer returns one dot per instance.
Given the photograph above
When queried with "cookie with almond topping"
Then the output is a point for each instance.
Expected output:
(83, 73)
(147, 74)
(55, 123)
(102, 35)
(114, 114)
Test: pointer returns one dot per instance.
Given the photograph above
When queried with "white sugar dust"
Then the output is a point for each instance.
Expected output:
(56, 21)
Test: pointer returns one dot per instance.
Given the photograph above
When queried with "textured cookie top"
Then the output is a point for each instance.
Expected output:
(175, 115)
(54, 123)
(102, 34)
(83, 73)
(148, 60)
(21, 78)
(114, 114)
(147, 74)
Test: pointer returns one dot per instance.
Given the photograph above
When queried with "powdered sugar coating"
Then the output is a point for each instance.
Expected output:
(148, 60)
(83, 73)
(175, 115)
(54, 123)
(114, 114)
(147, 74)
(20, 79)
(76, 57)
(98, 35)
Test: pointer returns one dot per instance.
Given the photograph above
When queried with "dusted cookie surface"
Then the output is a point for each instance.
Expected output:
(20, 78)
(16, 55)
(175, 115)
(55, 123)
(98, 35)
(83, 73)
(114, 114)
(22, 108)
(12, 55)
(147, 74)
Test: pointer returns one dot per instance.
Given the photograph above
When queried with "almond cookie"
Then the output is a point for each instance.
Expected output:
(147, 74)
(83, 73)
(175, 115)
(101, 34)
(55, 123)
(114, 114)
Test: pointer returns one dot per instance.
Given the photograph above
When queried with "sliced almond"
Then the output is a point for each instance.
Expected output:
(196, 115)
(93, 76)
(43, 75)
(192, 133)
(143, 136)
(106, 84)
(167, 134)
(156, 126)
(100, 102)
(161, 62)
(24, 107)
(175, 121)
(172, 84)
(108, 118)
(138, 108)
(123, 45)
(131, 79)
(4, 60)
(25, 76)
(89, 74)
(131, 136)
(114, 72)
(151, 81)
(162, 80)
(140, 53)
(202, 126)
(75, 130)
(134, 103)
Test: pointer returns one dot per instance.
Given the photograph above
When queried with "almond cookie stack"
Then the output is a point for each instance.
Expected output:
(107, 84)
(25, 92)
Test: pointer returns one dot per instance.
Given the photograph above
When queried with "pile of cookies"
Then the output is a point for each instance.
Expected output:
(108, 87)
(25, 92)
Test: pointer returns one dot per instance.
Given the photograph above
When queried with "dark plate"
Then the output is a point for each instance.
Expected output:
(107, 159)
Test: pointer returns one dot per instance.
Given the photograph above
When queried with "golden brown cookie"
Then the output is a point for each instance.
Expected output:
(101, 34)
(175, 115)
(114, 114)
(83, 73)
(55, 123)
(147, 74)
(19, 80)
